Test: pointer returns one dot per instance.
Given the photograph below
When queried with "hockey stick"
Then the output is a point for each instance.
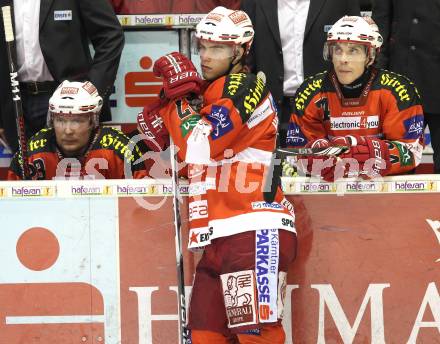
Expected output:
(281, 153)
(317, 151)
(16, 96)
(183, 331)
(273, 176)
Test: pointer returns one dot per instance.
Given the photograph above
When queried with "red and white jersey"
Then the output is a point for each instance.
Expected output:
(110, 156)
(389, 108)
(228, 144)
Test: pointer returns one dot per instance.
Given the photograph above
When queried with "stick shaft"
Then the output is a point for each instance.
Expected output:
(183, 332)
(16, 94)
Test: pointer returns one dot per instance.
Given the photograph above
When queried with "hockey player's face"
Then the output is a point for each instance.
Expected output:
(72, 133)
(215, 58)
(349, 61)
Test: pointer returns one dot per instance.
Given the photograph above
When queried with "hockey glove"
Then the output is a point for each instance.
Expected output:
(180, 77)
(151, 124)
(371, 154)
(318, 166)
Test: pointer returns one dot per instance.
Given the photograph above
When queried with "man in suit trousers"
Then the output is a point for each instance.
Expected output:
(52, 39)
(288, 48)
(411, 32)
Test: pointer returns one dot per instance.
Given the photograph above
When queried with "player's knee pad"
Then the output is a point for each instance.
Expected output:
(268, 334)
(209, 337)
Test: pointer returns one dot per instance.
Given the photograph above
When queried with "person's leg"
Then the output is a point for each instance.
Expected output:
(207, 319)
(254, 309)
(286, 111)
(433, 122)
(224, 291)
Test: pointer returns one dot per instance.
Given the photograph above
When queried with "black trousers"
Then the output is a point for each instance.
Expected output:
(284, 117)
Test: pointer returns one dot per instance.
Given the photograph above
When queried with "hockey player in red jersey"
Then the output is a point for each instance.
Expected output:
(74, 145)
(225, 128)
(377, 113)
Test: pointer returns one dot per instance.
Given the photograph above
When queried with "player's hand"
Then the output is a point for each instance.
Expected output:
(180, 77)
(371, 154)
(151, 124)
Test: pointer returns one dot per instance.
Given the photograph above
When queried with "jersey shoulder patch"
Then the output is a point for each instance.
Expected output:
(402, 88)
(115, 140)
(42, 141)
(246, 91)
(308, 89)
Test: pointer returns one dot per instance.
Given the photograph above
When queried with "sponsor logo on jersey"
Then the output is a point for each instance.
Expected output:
(289, 206)
(304, 95)
(353, 113)
(199, 237)
(205, 237)
(254, 96)
(233, 83)
(414, 127)
(198, 210)
(266, 269)
(265, 205)
(295, 136)
(287, 222)
(114, 141)
(261, 113)
(415, 186)
(354, 123)
(37, 144)
(394, 82)
(220, 120)
(239, 296)
(188, 124)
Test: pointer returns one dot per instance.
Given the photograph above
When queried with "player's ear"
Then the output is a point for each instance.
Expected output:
(239, 51)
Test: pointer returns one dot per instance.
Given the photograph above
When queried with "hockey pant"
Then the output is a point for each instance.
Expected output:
(239, 287)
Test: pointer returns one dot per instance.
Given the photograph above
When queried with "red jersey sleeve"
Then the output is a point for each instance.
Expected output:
(403, 123)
